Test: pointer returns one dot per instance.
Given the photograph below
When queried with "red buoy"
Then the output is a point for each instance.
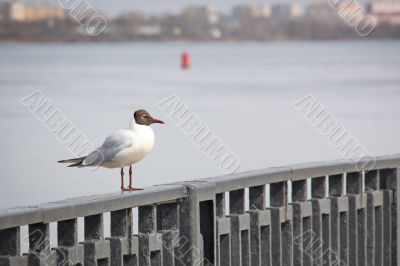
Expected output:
(185, 60)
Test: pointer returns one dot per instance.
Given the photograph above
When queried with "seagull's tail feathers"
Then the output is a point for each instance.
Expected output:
(74, 162)
(95, 158)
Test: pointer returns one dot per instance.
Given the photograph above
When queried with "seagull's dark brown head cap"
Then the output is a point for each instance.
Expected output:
(142, 117)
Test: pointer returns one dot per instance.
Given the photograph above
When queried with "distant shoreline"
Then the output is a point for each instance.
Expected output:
(2, 42)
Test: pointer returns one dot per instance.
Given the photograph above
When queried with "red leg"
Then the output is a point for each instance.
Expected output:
(130, 188)
(130, 178)
(122, 179)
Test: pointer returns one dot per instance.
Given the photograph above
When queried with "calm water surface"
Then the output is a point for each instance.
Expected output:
(244, 92)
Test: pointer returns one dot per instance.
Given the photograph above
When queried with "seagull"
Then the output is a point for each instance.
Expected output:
(122, 148)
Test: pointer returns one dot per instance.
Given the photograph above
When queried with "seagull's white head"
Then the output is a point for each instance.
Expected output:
(142, 117)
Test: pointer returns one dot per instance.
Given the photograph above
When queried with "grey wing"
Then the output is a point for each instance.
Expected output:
(112, 145)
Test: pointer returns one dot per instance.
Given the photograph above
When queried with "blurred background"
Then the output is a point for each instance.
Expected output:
(97, 61)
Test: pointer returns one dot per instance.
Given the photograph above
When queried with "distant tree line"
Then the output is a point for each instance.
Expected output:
(191, 27)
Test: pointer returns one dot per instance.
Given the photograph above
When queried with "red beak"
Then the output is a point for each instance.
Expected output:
(158, 121)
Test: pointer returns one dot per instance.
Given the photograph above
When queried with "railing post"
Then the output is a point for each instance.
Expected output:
(208, 231)
(301, 224)
(121, 223)
(374, 220)
(69, 252)
(388, 184)
(94, 228)
(240, 228)
(150, 250)
(223, 256)
(281, 225)
(338, 215)
(277, 193)
(39, 243)
(356, 219)
(257, 203)
(67, 233)
(190, 243)
(123, 246)
(220, 204)
(257, 198)
(96, 249)
(397, 222)
(236, 201)
(10, 249)
(320, 221)
(186, 223)
(167, 225)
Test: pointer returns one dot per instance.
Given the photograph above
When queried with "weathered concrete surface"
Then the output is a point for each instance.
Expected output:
(339, 222)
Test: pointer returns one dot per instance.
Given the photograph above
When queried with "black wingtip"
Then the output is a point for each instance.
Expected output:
(73, 161)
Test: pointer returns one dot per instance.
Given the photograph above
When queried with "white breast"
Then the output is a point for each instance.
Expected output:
(143, 142)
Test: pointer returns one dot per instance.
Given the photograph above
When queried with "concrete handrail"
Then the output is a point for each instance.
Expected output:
(89, 205)
(188, 223)
(296, 172)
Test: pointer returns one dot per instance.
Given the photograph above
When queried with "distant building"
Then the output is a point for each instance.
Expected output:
(321, 12)
(281, 11)
(148, 30)
(277, 11)
(242, 12)
(212, 14)
(351, 11)
(262, 11)
(208, 13)
(21, 12)
(386, 7)
(287, 11)
(4, 12)
(297, 10)
(388, 12)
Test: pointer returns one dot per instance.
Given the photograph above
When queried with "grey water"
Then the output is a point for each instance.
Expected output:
(244, 92)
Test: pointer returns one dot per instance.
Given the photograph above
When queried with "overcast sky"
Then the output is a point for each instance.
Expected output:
(158, 6)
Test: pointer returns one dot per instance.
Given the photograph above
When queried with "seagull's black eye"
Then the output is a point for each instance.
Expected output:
(145, 116)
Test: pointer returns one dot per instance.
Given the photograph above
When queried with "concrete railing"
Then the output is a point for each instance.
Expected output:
(347, 218)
